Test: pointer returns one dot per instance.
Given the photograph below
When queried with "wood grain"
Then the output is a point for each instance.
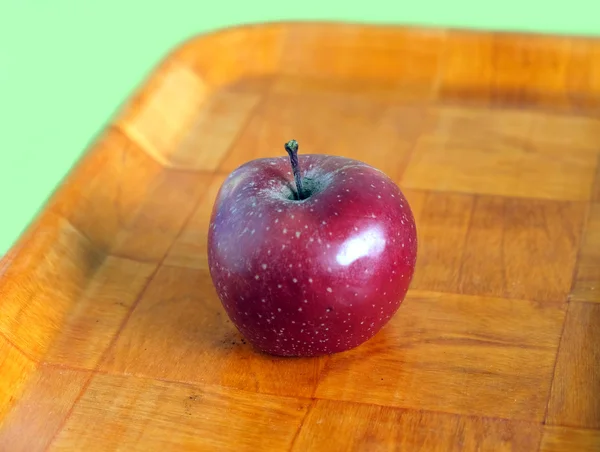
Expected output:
(457, 354)
(125, 202)
(98, 313)
(505, 153)
(349, 426)
(189, 249)
(147, 414)
(583, 70)
(197, 343)
(380, 135)
(314, 50)
(506, 69)
(16, 368)
(112, 336)
(178, 91)
(575, 398)
(559, 439)
(586, 286)
(236, 54)
(40, 287)
(42, 409)
(496, 246)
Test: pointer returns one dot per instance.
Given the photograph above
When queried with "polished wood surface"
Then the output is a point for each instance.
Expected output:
(111, 334)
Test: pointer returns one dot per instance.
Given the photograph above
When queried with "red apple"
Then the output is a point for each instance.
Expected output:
(313, 271)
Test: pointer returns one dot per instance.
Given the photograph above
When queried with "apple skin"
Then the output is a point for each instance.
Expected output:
(315, 276)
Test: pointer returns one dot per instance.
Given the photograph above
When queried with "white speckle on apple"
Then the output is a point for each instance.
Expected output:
(310, 280)
(295, 280)
(299, 309)
(329, 290)
(297, 234)
(256, 277)
(306, 301)
(285, 230)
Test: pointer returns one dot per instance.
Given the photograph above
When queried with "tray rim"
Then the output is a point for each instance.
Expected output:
(16, 254)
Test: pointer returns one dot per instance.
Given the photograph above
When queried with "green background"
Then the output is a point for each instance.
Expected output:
(66, 66)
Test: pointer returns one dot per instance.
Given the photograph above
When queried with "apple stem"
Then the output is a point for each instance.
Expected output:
(291, 148)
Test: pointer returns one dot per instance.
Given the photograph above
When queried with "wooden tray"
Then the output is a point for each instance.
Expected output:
(112, 337)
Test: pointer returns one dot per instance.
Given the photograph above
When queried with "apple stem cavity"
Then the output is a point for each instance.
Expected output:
(291, 148)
